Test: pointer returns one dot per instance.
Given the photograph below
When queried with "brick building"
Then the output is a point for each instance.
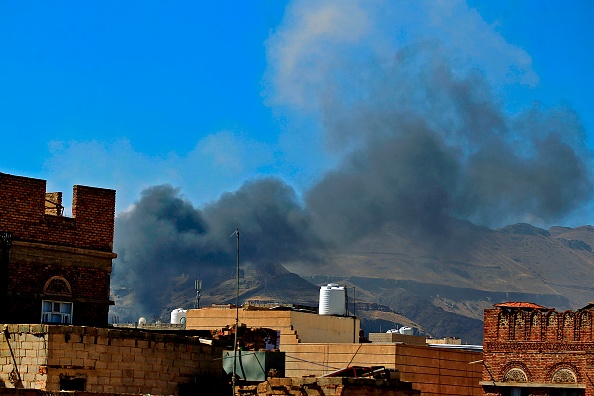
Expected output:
(54, 269)
(533, 350)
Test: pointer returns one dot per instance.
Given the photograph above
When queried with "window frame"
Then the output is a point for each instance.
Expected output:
(65, 317)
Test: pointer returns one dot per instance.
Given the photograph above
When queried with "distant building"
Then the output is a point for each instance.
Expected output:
(533, 350)
(54, 269)
(408, 339)
(316, 345)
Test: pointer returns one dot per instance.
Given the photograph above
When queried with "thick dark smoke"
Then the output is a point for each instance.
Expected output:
(448, 151)
(164, 237)
(423, 142)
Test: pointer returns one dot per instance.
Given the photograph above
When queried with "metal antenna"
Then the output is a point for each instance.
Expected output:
(236, 313)
(198, 288)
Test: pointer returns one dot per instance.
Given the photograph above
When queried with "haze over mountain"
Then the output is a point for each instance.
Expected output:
(438, 282)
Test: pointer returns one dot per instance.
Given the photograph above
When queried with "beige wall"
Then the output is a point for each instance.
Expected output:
(317, 345)
(295, 326)
(111, 361)
(325, 328)
(433, 371)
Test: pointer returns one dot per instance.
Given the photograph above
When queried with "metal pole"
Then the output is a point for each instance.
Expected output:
(236, 315)
(355, 335)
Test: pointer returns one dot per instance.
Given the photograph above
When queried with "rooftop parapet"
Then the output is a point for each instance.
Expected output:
(31, 214)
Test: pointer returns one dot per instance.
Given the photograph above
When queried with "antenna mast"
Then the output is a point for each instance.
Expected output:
(198, 288)
(236, 313)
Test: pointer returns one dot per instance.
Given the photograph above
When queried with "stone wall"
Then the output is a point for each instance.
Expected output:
(103, 360)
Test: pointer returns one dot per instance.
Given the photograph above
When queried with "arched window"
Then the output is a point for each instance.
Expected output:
(57, 285)
(564, 376)
(515, 375)
(52, 309)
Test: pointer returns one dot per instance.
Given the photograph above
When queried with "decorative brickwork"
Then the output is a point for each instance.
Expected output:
(48, 257)
(539, 350)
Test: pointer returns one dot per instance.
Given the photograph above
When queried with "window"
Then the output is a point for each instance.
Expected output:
(70, 383)
(56, 312)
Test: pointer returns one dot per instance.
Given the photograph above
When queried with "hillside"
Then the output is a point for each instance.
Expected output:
(439, 287)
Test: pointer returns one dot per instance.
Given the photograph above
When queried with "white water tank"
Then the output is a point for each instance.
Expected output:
(178, 316)
(332, 300)
(406, 330)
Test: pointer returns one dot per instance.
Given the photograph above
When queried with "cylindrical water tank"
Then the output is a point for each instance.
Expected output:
(332, 300)
(406, 330)
(178, 316)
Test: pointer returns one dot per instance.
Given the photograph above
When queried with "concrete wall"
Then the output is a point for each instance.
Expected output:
(107, 360)
(294, 326)
(323, 328)
(433, 371)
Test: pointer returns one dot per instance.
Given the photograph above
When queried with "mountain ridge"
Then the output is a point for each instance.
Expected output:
(442, 287)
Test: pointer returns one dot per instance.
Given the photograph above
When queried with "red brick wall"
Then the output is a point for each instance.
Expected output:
(539, 343)
(90, 292)
(22, 204)
(44, 245)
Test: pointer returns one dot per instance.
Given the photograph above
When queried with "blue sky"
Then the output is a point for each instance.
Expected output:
(205, 96)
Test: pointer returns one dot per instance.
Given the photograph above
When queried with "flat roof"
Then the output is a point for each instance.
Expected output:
(519, 304)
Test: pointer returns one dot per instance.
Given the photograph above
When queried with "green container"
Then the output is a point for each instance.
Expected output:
(254, 365)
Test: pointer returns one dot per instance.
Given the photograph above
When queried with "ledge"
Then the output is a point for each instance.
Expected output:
(532, 385)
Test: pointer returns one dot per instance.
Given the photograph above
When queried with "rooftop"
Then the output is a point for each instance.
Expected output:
(520, 304)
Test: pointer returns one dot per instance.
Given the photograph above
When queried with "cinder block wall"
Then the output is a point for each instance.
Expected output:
(107, 360)
(23, 352)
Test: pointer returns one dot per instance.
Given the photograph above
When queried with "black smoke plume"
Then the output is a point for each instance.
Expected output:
(423, 145)
(164, 237)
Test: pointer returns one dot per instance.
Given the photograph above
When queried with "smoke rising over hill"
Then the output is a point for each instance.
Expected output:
(420, 132)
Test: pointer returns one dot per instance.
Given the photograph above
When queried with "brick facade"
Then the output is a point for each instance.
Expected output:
(538, 351)
(45, 256)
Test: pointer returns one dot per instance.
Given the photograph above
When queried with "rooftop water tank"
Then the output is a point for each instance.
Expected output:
(406, 330)
(332, 300)
(178, 316)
